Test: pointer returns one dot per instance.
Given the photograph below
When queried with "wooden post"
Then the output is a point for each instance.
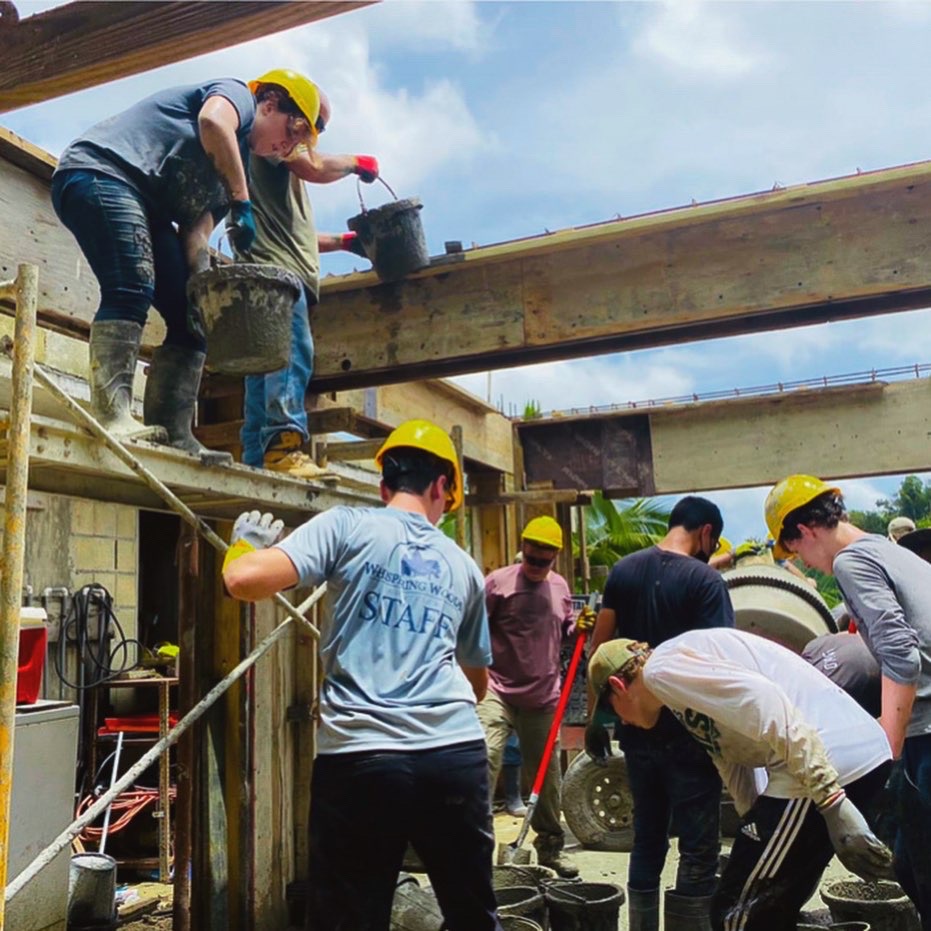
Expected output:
(24, 288)
(456, 434)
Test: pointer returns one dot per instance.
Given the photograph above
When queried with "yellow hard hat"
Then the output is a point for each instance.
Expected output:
(422, 434)
(300, 89)
(724, 546)
(791, 493)
(544, 531)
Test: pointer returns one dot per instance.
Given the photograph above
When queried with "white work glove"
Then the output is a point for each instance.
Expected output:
(854, 843)
(252, 531)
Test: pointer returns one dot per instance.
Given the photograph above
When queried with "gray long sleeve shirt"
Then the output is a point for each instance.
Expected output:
(888, 591)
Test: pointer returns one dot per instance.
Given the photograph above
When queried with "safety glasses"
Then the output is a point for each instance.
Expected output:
(537, 562)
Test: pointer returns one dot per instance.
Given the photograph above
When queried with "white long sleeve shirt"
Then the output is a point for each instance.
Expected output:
(756, 705)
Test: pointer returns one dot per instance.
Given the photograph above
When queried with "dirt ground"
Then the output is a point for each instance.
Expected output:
(595, 866)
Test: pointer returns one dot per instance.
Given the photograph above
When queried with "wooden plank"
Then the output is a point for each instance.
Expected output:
(538, 497)
(836, 249)
(352, 452)
(81, 45)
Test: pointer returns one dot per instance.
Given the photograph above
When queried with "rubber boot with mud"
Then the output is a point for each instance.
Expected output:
(171, 396)
(513, 803)
(642, 910)
(284, 456)
(686, 912)
(114, 349)
(550, 853)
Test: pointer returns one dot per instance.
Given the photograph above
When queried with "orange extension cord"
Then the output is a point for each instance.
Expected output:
(126, 806)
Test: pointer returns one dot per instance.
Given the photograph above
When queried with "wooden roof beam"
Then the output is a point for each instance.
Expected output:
(843, 248)
(80, 45)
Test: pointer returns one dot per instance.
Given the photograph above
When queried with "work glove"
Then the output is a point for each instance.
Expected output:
(240, 225)
(854, 843)
(585, 622)
(598, 742)
(350, 242)
(252, 531)
(366, 167)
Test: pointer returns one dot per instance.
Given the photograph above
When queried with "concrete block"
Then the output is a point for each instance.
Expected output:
(127, 522)
(82, 515)
(81, 578)
(126, 590)
(126, 556)
(94, 554)
(104, 519)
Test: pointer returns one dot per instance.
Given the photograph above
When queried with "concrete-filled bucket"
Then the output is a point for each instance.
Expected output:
(517, 923)
(246, 313)
(522, 902)
(392, 236)
(584, 906)
(414, 908)
(529, 875)
(882, 905)
(91, 892)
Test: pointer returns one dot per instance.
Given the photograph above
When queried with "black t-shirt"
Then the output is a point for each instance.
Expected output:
(657, 595)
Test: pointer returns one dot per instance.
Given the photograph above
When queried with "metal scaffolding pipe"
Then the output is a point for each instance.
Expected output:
(159, 487)
(153, 753)
(14, 536)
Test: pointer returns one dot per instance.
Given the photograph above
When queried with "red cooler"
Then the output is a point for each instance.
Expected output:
(33, 642)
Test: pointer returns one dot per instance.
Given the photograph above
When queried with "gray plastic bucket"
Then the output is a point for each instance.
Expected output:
(414, 908)
(92, 891)
(522, 902)
(882, 905)
(393, 238)
(513, 875)
(246, 313)
(584, 906)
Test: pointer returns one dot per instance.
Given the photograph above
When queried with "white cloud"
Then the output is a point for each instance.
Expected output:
(416, 24)
(697, 39)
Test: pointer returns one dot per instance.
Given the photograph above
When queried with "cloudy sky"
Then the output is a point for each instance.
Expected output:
(510, 118)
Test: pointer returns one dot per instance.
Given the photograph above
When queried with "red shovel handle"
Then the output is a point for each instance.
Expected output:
(560, 710)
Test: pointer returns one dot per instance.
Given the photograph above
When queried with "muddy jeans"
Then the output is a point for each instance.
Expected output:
(499, 719)
(778, 857)
(366, 807)
(137, 258)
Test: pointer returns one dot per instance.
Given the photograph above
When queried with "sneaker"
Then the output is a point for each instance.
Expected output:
(515, 806)
(296, 464)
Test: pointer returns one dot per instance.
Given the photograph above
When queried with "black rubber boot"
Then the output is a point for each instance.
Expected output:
(686, 912)
(513, 803)
(171, 396)
(642, 910)
(550, 853)
(114, 349)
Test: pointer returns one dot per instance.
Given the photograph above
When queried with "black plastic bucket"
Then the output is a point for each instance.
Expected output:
(392, 236)
(513, 875)
(584, 906)
(882, 905)
(522, 902)
(246, 312)
(517, 923)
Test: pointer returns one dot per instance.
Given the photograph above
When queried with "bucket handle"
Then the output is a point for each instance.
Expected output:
(359, 191)
(572, 895)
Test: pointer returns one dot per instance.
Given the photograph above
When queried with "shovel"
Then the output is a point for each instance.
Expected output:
(513, 853)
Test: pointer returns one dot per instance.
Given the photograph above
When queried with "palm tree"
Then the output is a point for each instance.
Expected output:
(614, 530)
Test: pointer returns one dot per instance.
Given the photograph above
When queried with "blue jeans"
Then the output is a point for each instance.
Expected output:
(675, 787)
(913, 840)
(137, 258)
(366, 807)
(275, 402)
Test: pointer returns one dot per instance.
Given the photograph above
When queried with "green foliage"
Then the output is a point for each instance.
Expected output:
(913, 499)
(614, 530)
(827, 586)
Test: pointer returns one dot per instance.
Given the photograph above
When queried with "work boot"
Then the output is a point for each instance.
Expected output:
(686, 912)
(114, 349)
(171, 396)
(513, 803)
(285, 457)
(642, 910)
(550, 853)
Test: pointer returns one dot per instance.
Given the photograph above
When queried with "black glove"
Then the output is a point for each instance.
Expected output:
(598, 743)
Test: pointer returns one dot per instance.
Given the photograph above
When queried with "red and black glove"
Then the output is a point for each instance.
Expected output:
(366, 167)
(350, 242)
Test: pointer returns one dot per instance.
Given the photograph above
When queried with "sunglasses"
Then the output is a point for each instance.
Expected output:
(537, 562)
(320, 125)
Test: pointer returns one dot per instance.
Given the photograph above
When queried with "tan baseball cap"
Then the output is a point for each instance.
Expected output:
(899, 526)
(609, 658)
